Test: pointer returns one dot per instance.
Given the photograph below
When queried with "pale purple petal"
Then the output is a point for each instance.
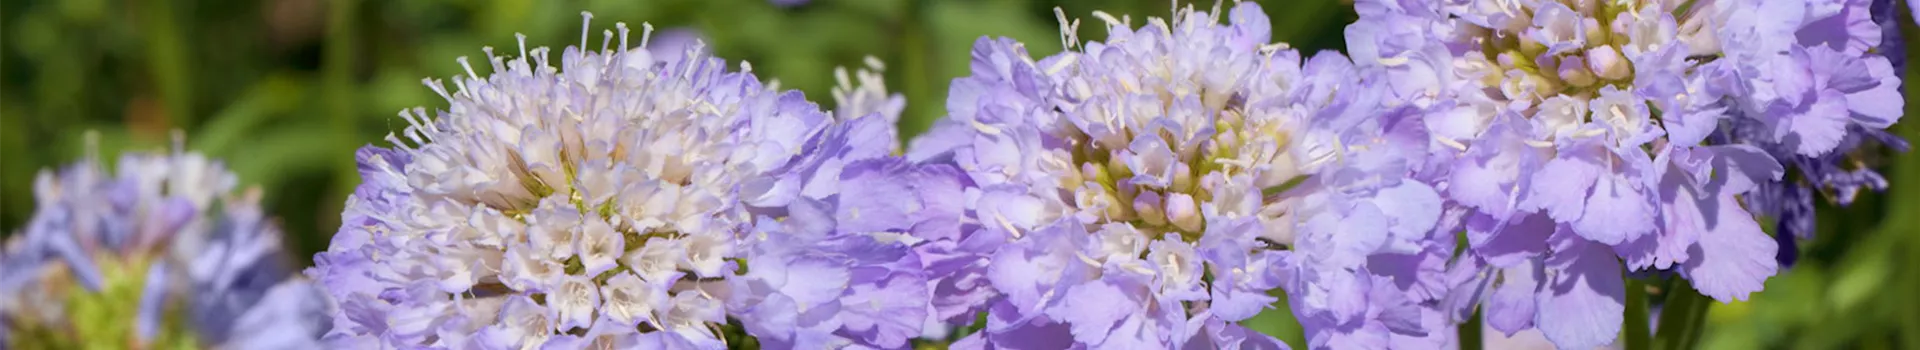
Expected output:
(1582, 302)
(1733, 257)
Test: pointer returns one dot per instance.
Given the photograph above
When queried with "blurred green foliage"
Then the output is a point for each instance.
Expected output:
(285, 90)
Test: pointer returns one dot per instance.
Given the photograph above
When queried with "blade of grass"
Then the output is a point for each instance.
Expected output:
(167, 59)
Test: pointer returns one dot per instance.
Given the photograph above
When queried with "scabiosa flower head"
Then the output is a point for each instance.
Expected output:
(1148, 186)
(158, 252)
(1636, 135)
(620, 200)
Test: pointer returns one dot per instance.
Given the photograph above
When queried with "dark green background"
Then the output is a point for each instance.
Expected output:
(285, 90)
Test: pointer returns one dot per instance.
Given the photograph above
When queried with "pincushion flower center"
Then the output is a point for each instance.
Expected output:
(1148, 165)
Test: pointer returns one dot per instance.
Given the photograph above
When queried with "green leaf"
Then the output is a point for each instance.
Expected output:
(1279, 322)
(1311, 24)
(279, 153)
(241, 119)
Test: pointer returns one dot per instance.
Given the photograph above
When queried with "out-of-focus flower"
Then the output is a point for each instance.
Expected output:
(159, 252)
(865, 92)
(673, 44)
(1152, 189)
(1591, 138)
(624, 200)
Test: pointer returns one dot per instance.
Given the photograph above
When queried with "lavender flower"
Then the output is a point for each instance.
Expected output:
(1148, 188)
(626, 200)
(1589, 138)
(160, 253)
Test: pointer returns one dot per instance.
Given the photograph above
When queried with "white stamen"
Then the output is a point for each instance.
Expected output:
(1069, 29)
(1008, 225)
(843, 81)
(1106, 17)
(460, 88)
(646, 33)
(1214, 16)
(493, 60)
(1394, 61)
(622, 26)
(1062, 64)
(437, 87)
(586, 24)
(469, 67)
(396, 141)
(422, 112)
(522, 38)
(1589, 133)
(986, 129)
(1450, 143)
(605, 41)
(1087, 259)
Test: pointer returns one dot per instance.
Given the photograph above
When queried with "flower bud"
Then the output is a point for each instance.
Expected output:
(1184, 212)
(1573, 71)
(1605, 61)
(1147, 204)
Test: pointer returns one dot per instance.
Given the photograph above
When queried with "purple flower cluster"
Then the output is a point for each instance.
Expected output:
(160, 253)
(1585, 139)
(1152, 190)
(624, 200)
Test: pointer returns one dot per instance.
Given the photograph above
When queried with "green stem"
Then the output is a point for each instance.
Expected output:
(168, 61)
(1470, 337)
(1910, 320)
(340, 102)
(1636, 328)
(337, 69)
(1905, 178)
(917, 71)
(1681, 320)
